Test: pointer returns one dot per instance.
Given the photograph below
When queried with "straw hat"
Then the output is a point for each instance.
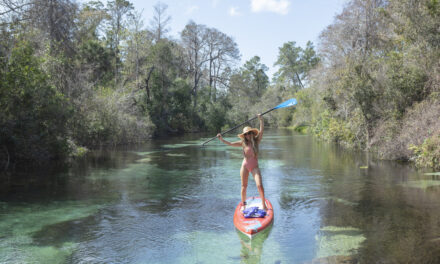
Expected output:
(248, 129)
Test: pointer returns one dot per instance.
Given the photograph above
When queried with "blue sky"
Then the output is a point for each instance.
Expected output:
(259, 27)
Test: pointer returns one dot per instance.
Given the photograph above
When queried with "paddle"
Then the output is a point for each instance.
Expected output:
(288, 103)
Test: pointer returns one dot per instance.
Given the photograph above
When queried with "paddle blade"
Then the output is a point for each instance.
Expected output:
(288, 103)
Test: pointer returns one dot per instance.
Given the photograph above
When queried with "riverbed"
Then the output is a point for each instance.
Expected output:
(172, 201)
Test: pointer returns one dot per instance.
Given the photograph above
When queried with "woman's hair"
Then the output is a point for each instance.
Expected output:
(253, 142)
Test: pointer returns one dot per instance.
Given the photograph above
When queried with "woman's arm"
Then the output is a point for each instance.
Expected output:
(260, 135)
(234, 144)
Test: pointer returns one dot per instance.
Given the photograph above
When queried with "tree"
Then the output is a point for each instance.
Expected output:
(351, 48)
(118, 10)
(34, 115)
(254, 74)
(137, 48)
(90, 21)
(295, 64)
(246, 89)
(164, 88)
(56, 19)
(223, 52)
(194, 40)
(160, 21)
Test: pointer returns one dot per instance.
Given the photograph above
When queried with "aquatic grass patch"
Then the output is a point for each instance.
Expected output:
(179, 145)
(139, 169)
(433, 173)
(218, 147)
(209, 247)
(338, 200)
(184, 144)
(176, 155)
(25, 252)
(145, 153)
(21, 222)
(49, 254)
(421, 184)
(338, 241)
(276, 137)
(144, 160)
(270, 164)
(28, 218)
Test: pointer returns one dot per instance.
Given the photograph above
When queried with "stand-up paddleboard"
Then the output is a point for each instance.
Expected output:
(251, 226)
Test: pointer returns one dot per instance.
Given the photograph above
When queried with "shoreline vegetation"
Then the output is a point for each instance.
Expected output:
(98, 76)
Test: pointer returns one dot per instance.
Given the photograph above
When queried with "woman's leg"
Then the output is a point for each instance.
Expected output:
(244, 174)
(257, 177)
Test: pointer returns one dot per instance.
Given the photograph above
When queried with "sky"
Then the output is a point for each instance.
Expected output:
(259, 27)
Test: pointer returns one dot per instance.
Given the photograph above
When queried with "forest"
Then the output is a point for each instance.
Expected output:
(75, 77)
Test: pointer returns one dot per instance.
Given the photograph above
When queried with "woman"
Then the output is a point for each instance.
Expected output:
(250, 140)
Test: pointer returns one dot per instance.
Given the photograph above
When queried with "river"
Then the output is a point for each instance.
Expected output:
(172, 201)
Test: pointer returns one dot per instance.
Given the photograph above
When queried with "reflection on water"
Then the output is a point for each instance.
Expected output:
(252, 249)
(172, 201)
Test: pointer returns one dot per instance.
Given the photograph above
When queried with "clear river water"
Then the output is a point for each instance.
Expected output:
(172, 201)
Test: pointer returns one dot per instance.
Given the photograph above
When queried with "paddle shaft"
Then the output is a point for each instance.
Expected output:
(222, 133)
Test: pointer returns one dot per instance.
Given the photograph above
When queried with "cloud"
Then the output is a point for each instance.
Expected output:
(276, 6)
(192, 9)
(233, 11)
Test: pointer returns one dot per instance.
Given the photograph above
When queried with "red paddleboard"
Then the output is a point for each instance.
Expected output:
(251, 226)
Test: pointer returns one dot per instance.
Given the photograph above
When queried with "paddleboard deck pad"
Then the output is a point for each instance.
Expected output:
(251, 226)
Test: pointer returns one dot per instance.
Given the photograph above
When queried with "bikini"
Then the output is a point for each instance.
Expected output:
(250, 161)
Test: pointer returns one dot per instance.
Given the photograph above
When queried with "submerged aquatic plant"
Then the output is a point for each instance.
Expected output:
(338, 241)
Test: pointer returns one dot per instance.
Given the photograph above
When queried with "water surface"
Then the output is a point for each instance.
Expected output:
(172, 201)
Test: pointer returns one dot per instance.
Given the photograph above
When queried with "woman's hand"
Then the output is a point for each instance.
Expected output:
(260, 116)
(219, 136)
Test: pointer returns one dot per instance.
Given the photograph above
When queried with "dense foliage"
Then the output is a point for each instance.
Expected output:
(76, 77)
(379, 82)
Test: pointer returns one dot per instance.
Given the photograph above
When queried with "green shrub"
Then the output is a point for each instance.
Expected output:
(427, 154)
(333, 129)
(33, 113)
